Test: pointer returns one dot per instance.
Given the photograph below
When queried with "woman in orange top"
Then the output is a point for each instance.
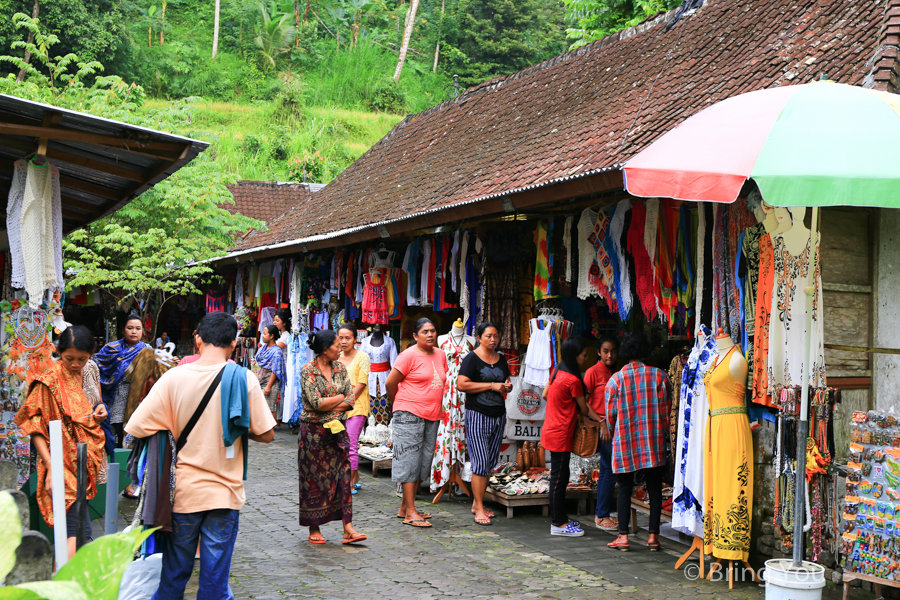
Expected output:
(58, 395)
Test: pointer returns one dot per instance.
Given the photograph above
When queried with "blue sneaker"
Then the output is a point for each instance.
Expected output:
(569, 530)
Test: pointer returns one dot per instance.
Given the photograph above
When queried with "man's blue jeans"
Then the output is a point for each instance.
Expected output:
(606, 484)
(216, 531)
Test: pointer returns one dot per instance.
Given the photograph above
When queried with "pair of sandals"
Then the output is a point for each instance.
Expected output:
(318, 538)
(422, 521)
(625, 546)
(356, 488)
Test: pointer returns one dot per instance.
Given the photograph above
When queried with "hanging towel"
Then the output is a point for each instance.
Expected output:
(542, 262)
(235, 408)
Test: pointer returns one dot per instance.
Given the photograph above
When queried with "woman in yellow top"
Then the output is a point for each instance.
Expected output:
(357, 364)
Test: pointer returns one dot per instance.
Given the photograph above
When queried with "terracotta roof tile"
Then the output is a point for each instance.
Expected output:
(569, 115)
(268, 200)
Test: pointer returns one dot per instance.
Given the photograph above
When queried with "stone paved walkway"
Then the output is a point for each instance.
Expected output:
(515, 558)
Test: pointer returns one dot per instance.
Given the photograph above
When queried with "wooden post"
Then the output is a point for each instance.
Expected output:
(697, 545)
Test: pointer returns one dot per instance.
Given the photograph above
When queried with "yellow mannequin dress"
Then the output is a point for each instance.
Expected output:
(728, 475)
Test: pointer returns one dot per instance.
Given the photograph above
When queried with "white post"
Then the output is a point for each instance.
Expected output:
(111, 516)
(58, 474)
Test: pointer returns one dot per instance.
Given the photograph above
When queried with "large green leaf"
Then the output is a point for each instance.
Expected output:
(14, 593)
(10, 533)
(53, 590)
(98, 567)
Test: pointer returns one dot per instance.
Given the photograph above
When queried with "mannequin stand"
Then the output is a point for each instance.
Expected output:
(718, 563)
(454, 478)
(697, 545)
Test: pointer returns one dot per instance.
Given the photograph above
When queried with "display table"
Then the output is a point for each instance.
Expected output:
(877, 583)
(639, 506)
(378, 462)
(542, 500)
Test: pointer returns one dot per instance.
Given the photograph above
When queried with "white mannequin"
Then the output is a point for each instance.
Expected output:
(792, 229)
(738, 364)
(457, 334)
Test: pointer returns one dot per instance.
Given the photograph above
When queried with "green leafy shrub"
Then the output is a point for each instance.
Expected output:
(288, 104)
(94, 573)
(388, 96)
(311, 167)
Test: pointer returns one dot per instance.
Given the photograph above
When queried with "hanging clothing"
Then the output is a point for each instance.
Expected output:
(57, 395)
(675, 372)
(586, 254)
(688, 492)
(728, 468)
(381, 359)
(450, 448)
(643, 267)
(762, 321)
(789, 330)
(567, 244)
(538, 359)
(374, 306)
(500, 271)
(749, 270)
(40, 228)
(623, 280)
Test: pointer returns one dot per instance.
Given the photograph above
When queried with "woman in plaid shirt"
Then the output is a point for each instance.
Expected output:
(637, 409)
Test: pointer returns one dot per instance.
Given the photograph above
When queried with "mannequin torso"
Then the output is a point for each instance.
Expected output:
(737, 366)
(457, 335)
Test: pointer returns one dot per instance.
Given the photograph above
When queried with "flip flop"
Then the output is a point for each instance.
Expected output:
(483, 522)
(616, 546)
(318, 540)
(424, 515)
(417, 523)
(359, 537)
(490, 514)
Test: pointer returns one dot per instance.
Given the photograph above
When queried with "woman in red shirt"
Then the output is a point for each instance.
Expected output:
(565, 395)
(595, 379)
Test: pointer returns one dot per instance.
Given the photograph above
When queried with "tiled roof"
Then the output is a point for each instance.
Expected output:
(570, 115)
(267, 200)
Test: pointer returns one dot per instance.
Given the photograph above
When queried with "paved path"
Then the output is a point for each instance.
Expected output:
(515, 558)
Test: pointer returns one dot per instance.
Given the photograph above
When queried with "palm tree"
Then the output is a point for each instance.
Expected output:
(274, 35)
(407, 33)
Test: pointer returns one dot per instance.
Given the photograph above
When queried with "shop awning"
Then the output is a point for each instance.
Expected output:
(817, 144)
(103, 164)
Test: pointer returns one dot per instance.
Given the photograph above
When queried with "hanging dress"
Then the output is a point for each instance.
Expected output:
(790, 324)
(374, 304)
(760, 378)
(450, 448)
(728, 468)
(381, 359)
(687, 505)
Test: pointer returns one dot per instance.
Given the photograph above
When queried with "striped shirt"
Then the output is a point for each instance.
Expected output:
(637, 407)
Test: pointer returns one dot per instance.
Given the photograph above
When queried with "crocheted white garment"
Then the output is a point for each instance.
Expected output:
(13, 222)
(567, 242)
(701, 237)
(616, 227)
(586, 254)
(41, 232)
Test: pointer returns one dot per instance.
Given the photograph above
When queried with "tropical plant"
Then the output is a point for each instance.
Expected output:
(596, 19)
(94, 573)
(39, 49)
(274, 35)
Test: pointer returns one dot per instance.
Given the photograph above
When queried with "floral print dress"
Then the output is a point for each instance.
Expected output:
(451, 441)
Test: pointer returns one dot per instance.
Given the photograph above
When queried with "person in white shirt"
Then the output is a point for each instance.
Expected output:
(162, 340)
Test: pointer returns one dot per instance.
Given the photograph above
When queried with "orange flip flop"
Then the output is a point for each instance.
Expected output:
(359, 537)
(417, 523)
(318, 540)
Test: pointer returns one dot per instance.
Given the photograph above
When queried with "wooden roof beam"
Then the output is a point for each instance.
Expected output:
(164, 150)
(131, 174)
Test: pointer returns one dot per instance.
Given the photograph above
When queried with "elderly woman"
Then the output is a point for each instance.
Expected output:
(323, 458)
(484, 377)
(113, 360)
(57, 394)
(416, 388)
(637, 409)
(357, 364)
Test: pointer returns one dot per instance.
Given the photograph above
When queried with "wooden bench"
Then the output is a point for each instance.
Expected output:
(644, 507)
(542, 500)
(877, 582)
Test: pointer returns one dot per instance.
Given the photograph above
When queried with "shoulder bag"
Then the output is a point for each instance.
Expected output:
(587, 436)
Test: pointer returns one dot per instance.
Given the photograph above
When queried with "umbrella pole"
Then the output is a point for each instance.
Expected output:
(803, 426)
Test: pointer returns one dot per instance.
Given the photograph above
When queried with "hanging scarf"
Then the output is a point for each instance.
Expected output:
(623, 280)
(272, 359)
(604, 280)
(642, 265)
(542, 262)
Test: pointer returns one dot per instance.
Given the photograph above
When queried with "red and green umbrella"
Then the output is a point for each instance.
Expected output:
(815, 144)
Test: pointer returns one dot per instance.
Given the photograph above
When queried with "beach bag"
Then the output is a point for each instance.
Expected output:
(587, 436)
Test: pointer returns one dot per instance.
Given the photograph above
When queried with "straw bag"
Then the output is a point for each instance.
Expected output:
(587, 436)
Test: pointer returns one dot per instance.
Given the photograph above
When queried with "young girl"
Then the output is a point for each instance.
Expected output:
(271, 366)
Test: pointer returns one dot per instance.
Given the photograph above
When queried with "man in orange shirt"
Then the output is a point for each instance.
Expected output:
(211, 468)
(595, 379)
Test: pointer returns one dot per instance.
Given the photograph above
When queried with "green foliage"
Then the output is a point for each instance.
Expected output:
(94, 573)
(307, 168)
(596, 19)
(388, 96)
(274, 35)
(10, 533)
(499, 37)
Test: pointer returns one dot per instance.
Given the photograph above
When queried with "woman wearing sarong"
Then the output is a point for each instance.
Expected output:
(323, 458)
(271, 367)
(58, 395)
